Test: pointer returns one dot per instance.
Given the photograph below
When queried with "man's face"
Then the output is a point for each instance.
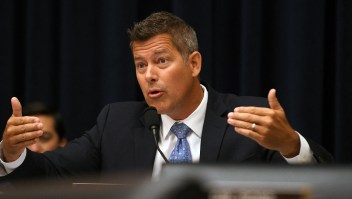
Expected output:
(168, 82)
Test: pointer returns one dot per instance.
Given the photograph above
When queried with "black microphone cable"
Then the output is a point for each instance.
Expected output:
(152, 120)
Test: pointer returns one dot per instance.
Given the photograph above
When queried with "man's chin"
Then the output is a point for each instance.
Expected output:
(159, 108)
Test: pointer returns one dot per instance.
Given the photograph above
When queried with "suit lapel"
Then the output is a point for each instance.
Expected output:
(215, 125)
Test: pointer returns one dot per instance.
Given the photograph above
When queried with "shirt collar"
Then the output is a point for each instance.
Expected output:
(194, 121)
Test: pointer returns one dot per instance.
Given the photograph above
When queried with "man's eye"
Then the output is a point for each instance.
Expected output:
(141, 65)
(162, 60)
(45, 137)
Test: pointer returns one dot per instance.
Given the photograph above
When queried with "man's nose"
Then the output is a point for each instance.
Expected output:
(36, 148)
(151, 73)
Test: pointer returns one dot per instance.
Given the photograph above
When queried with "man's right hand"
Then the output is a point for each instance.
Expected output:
(20, 132)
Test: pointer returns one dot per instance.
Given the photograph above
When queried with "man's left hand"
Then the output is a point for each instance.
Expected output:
(267, 126)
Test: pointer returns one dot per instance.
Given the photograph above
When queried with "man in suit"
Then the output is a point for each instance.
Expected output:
(222, 128)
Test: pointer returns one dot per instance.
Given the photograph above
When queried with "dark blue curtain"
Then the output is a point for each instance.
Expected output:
(74, 54)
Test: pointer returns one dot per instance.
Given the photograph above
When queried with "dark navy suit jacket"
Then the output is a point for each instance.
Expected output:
(120, 141)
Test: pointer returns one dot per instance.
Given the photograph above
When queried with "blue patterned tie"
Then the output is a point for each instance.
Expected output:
(182, 151)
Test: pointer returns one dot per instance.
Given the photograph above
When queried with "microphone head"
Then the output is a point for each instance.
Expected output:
(151, 117)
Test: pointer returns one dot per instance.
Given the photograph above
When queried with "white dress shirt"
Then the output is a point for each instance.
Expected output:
(168, 140)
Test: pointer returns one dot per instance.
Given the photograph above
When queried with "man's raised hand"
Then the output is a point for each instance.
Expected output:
(267, 126)
(20, 132)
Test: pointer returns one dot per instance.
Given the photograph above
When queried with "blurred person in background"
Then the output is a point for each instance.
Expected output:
(53, 127)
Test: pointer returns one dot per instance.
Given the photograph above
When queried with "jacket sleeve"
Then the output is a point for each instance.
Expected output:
(320, 154)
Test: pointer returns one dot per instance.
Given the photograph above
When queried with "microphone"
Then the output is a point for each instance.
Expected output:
(152, 120)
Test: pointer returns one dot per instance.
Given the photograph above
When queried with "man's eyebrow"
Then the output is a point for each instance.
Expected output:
(160, 51)
(156, 52)
(138, 58)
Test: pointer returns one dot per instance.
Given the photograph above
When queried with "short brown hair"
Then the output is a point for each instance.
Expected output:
(183, 36)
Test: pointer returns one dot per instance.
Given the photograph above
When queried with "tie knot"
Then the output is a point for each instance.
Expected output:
(180, 130)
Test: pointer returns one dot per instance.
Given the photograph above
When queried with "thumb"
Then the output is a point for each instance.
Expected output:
(273, 101)
(16, 107)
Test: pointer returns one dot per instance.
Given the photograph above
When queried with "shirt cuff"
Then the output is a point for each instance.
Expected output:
(305, 155)
(8, 167)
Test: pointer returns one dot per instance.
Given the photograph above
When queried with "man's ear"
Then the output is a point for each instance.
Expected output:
(195, 61)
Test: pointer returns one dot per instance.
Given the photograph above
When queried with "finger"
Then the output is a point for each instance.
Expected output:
(16, 121)
(246, 117)
(26, 143)
(273, 101)
(244, 125)
(15, 130)
(25, 137)
(260, 111)
(16, 107)
(248, 133)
